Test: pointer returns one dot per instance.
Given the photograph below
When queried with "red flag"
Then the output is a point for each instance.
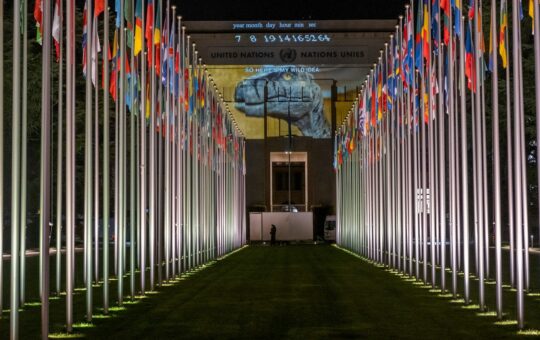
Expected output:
(99, 7)
(38, 15)
(57, 23)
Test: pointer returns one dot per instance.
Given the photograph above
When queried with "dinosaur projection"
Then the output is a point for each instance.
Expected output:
(291, 95)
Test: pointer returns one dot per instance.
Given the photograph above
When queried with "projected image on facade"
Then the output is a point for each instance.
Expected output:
(301, 95)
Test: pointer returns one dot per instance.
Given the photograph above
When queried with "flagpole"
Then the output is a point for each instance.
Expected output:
(24, 161)
(152, 163)
(45, 187)
(483, 152)
(431, 156)
(106, 158)
(15, 172)
(60, 154)
(143, 160)
(88, 161)
(70, 163)
(496, 160)
(442, 157)
(116, 150)
(1, 155)
(133, 152)
(96, 154)
(159, 116)
(517, 164)
(510, 157)
(121, 154)
(167, 161)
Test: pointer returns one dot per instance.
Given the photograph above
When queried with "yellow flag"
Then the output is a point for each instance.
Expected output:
(502, 34)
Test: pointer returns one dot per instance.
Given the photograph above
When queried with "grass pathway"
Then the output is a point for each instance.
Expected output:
(295, 292)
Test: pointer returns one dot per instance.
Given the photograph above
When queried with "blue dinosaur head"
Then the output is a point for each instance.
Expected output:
(294, 91)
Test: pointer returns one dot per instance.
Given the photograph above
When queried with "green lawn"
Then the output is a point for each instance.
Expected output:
(287, 292)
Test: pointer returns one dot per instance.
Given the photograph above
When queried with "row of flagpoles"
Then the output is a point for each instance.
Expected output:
(410, 196)
(179, 158)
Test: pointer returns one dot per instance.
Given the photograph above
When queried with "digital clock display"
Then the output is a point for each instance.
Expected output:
(283, 38)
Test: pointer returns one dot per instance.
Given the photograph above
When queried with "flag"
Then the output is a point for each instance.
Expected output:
(469, 60)
(471, 10)
(502, 33)
(38, 15)
(114, 66)
(418, 39)
(128, 15)
(57, 23)
(435, 22)
(490, 57)
(426, 32)
(99, 7)
(531, 13)
(85, 36)
(138, 28)
(457, 17)
(117, 9)
(96, 49)
(157, 27)
(149, 21)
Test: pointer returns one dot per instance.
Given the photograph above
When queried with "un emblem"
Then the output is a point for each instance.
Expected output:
(287, 55)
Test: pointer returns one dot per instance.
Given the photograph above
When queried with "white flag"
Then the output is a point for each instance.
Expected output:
(57, 22)
(96, 49)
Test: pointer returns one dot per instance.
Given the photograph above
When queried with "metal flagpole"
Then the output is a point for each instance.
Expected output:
(15, 172)
(60, 153)
(24, 161)
(142, 168)
(496, 159)
(478, 143)
(88, 162)
(431, 156)
(133, 152)
(96, 154)
(1, 154)
(45, 187)
(106, 159)
(152, 163)
(509, 150)
(453, 150)
(165, 137)
(121, 155)
(70, 163)
(483, 153)
(516, 46)
(442, 157)
(159, 116)
(116, 152)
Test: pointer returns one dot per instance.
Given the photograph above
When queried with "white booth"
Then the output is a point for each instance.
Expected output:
(290, 226)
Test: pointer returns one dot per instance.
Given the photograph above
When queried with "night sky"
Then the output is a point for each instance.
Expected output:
(289, 10)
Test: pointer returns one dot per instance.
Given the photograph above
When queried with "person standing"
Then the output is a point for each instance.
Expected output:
(273, 235)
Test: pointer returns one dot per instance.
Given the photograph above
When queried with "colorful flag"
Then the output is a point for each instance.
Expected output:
(502, 33)
(117, 9)
(469, 60)
(99, 7)
(426, 32)
(457, 17)
(85, 36)
(418, 53)
(96, 49)
(38, 15)
(114, 66)
(490, 57)
(149, 21)
(138, 28)
(57, 23)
